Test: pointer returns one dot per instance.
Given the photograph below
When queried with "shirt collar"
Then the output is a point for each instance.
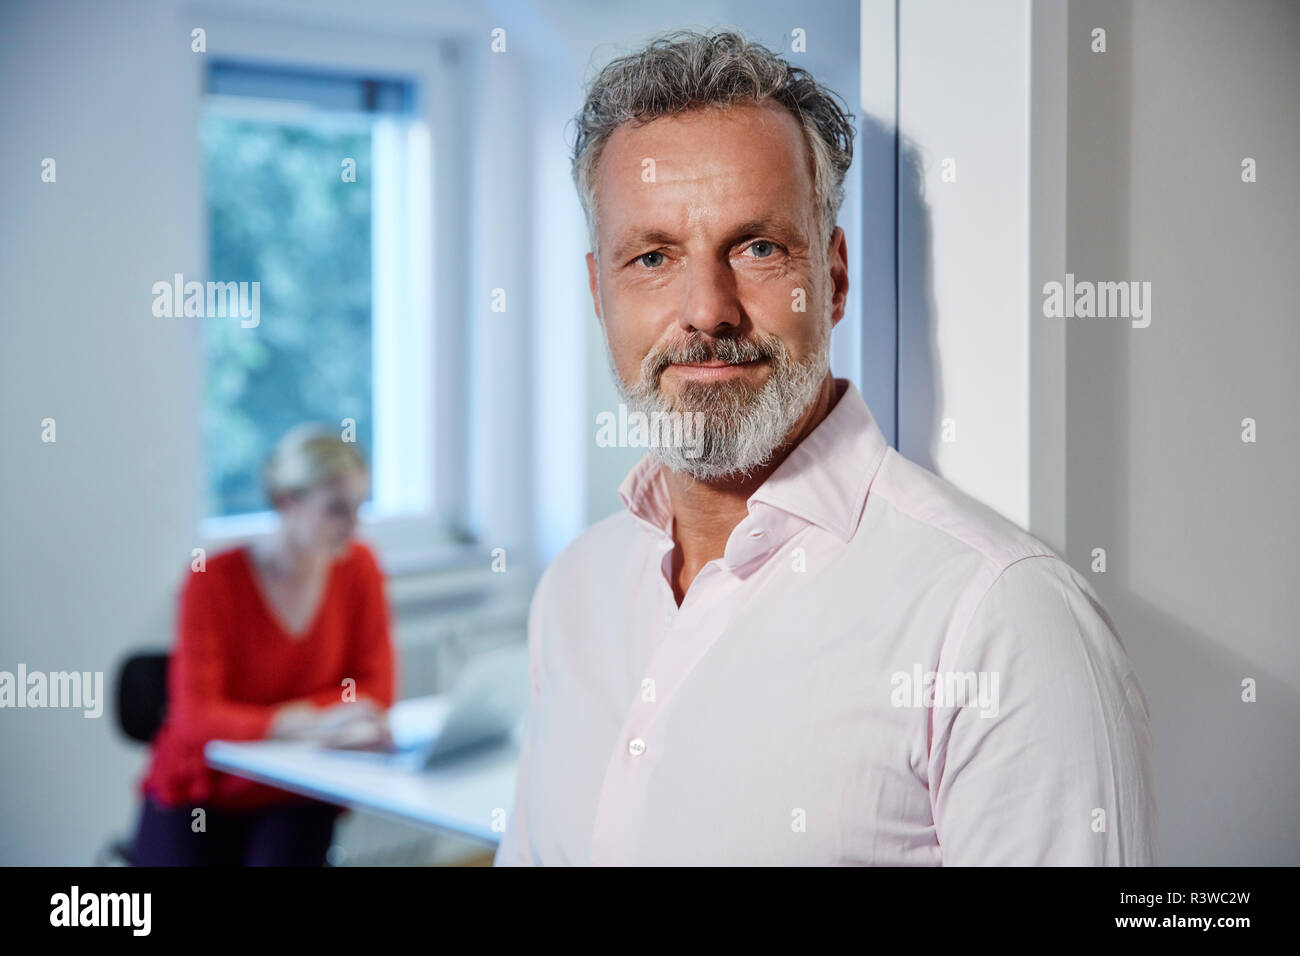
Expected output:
(823, 481)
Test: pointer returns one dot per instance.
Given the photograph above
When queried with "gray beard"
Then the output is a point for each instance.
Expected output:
(743, 428)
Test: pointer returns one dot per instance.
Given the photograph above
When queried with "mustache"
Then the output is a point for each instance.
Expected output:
(702, 348)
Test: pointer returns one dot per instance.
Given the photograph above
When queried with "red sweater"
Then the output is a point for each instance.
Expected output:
(234, 664)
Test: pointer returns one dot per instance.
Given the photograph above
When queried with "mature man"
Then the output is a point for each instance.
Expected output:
(794, 646)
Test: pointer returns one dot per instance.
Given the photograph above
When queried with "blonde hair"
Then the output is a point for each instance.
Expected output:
(306, 456)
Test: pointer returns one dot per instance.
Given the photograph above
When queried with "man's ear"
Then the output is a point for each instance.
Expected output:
(837, 258)
(593, 282)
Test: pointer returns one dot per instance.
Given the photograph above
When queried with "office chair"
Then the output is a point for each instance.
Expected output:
(141, 705)
(142, 695)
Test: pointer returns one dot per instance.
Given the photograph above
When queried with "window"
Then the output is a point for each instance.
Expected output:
(317, 187)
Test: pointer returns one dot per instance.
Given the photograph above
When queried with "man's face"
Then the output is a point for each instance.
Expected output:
(712, 286)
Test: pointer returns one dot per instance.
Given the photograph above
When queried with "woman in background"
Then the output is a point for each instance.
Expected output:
(285, 639)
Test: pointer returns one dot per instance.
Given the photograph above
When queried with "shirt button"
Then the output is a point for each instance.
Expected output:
(757, 533)
(668, 619)
(636, 746)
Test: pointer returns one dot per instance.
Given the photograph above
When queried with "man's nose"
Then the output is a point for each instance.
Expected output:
(711, 305)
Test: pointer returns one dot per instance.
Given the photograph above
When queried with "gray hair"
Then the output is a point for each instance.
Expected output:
(684, 70)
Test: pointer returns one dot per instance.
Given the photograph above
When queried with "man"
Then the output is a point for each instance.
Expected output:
(794, 646)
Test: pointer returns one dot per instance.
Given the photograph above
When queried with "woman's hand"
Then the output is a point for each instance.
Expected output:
(348, 720)
(294, 721)
(356, 723)
(357, 730)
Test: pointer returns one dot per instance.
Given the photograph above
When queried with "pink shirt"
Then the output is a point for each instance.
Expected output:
(783, 714)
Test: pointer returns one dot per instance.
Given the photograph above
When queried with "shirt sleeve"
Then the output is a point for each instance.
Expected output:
(515, 848)
(371, 655)
(1053, 767)
(198, 699)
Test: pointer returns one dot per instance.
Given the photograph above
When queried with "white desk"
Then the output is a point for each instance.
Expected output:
(462, 797)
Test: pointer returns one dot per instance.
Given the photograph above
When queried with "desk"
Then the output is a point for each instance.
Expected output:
(460, 798)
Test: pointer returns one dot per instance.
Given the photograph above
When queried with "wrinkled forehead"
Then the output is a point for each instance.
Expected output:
(704, 171)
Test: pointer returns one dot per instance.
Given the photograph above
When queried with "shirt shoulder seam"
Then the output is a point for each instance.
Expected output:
(1012, 554)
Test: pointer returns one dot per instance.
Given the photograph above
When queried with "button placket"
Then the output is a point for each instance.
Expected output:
(622, 792)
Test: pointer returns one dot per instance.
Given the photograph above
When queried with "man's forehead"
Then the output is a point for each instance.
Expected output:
(721, 168)
(698, 141)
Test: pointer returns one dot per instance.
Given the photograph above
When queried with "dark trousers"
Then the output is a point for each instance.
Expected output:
(296, 835)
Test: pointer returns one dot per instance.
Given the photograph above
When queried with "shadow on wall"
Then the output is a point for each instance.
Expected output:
(920, 386)
(1226, 772)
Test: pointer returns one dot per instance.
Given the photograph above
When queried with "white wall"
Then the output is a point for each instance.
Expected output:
(96, 525)
(1202, 531)
(1126, 166)
(963, 85)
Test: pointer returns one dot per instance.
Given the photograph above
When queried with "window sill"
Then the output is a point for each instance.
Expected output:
(406, 545)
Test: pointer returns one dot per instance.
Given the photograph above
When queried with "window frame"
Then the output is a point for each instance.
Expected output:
(431, 63)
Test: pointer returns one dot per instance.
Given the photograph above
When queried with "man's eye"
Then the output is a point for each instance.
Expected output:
(646, 255)
(763, 249)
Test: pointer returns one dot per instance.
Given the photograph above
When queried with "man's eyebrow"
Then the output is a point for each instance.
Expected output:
(641, 237)
(753, 227)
